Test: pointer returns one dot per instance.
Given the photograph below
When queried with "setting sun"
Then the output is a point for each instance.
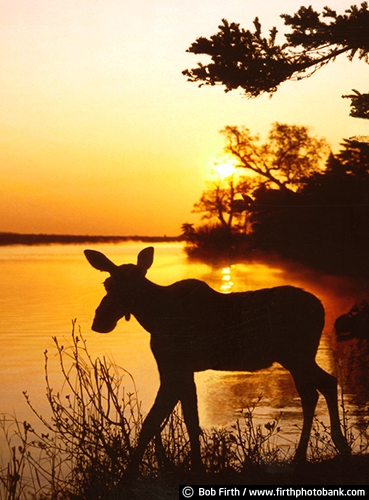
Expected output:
(224, 169)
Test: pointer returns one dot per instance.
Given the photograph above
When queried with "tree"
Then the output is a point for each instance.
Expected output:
(359, 104)
(288, 157)
(325, 223)
(246, 59)
(354, 157)
(188, 231)
(221, 201)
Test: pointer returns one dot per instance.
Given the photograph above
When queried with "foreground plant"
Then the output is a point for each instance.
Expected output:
(84, 447)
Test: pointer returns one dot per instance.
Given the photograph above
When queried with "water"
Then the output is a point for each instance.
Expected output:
(45, 287)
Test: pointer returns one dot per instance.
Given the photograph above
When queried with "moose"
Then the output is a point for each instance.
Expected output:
(195, 328)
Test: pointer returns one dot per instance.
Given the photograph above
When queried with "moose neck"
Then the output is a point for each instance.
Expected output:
(148, 304)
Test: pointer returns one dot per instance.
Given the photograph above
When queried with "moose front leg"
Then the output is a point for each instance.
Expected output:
(164, 404)
(173, 387)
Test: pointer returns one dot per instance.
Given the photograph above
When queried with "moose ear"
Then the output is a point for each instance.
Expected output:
(99, 261)
(145, 259)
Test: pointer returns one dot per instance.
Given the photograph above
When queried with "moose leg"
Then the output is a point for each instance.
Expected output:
(164, 404)
(188, 398)
(327, 385)
(309, 399)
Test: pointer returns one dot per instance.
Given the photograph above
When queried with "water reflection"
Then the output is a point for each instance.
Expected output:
(227, 283)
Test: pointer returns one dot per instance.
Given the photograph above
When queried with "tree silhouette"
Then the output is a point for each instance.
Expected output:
(359, 104)
(325, 223)
(257, 64)
(286, 159)
(354, 157)
(221, 202)
(277, 170)
(188, 231)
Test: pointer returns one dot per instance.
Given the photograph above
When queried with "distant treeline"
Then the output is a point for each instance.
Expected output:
(66, 239)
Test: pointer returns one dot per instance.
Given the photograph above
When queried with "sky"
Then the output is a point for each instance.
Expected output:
(101, 134)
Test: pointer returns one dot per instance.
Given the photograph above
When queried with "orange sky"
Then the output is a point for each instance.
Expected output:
(99, 131)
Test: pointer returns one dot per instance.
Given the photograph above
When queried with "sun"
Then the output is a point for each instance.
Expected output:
(224, 169)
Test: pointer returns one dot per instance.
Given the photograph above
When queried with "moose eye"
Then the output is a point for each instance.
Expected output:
(108, 285)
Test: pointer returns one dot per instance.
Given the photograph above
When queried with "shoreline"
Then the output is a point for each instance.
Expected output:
(9, 239)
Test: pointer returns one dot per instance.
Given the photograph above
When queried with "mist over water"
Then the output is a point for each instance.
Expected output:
(45, 287)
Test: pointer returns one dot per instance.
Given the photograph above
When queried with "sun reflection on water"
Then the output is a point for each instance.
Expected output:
(227, 283)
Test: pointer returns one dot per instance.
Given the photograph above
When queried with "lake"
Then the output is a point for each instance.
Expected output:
(45, 287)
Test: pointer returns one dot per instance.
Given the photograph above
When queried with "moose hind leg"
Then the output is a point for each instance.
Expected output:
(309, 397)
(327, 385)
(191, 416)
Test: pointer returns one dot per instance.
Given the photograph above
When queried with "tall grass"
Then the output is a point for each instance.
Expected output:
(82, 450)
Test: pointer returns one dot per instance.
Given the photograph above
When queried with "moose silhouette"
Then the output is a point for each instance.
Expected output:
(195, 328)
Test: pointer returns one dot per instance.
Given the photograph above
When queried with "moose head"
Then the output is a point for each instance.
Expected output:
(121, 287)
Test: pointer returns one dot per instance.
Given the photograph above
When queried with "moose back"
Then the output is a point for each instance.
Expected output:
(194, 328)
